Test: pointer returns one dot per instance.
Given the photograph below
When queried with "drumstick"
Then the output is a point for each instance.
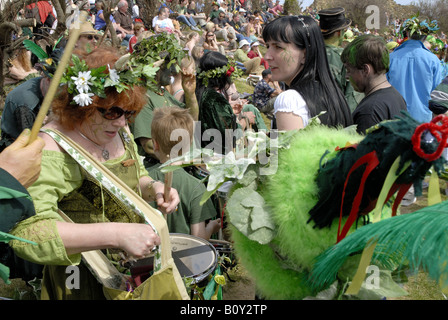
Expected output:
(66, 57)
(168, 183)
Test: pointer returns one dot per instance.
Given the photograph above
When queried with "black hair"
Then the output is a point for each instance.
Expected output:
(265, 73)
(212, 60)
(315, 82)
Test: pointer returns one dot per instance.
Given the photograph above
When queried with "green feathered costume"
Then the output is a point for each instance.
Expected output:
(304, 199)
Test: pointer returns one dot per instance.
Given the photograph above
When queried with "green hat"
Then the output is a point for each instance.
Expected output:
(391, 45)
(349, 36)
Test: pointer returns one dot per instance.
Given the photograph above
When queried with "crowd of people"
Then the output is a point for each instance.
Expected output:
(315, 64)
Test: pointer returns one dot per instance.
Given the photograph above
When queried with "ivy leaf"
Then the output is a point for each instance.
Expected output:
(149, 71)
(4, 273)
(248, 213)
(228, 167)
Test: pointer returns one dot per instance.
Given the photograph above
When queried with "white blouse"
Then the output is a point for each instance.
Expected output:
(292, 101)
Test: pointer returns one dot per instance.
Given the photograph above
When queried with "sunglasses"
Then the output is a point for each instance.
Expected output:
(91, 37)
(114, 113)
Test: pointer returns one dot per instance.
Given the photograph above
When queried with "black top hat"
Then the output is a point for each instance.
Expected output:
(332, 20)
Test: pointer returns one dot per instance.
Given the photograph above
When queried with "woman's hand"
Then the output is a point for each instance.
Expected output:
(137, 239)
(189, 81)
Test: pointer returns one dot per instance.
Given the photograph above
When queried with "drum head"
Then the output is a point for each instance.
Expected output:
(194, 257)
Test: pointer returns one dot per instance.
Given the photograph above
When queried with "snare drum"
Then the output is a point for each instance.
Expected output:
(194, 257)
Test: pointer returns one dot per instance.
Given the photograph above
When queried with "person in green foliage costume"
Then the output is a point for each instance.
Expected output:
(314, 243)
(333, 25)
(20, 166)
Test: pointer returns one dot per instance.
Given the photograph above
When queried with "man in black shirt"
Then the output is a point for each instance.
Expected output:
(237, 25)
(367, 62)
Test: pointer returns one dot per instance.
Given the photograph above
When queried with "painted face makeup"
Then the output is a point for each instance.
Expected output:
(286, 60)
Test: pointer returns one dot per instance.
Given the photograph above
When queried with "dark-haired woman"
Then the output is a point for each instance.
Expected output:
(97, 125)
(296, 55)
(217, 120)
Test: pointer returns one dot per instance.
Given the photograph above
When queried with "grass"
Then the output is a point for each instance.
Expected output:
(16, 290)
(421, 287)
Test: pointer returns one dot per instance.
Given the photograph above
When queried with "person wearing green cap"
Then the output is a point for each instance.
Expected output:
(333, 24)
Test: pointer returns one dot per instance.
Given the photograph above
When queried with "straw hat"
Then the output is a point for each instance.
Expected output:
(86, 28)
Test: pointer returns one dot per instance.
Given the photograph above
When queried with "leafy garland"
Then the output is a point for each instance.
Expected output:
(138, 68)
(229, 69)
(83, 83)
(414, 25)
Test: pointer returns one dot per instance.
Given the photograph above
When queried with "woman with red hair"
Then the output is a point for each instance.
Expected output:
(91, 109)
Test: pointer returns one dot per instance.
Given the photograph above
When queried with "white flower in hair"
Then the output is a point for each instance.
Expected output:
(83, 99)
(82, 81)
(113, 74)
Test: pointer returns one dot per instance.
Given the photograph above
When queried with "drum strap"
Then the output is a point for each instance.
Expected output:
(107, 180)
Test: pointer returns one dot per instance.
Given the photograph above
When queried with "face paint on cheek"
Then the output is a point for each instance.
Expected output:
(287, 57)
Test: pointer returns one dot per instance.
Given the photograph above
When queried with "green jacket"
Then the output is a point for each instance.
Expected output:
(15, 202)
(338, 71)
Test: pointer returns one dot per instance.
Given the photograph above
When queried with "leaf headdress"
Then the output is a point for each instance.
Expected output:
(152, 50)
(414, 25)
(138, 68)
(84, 82)
(229, 69)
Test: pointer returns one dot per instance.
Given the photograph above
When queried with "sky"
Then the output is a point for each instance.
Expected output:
(306, 3)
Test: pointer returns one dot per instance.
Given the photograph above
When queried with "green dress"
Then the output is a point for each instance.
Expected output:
(217, 122)
(64, 185)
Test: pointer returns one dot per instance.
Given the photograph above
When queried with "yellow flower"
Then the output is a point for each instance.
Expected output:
(220, 279)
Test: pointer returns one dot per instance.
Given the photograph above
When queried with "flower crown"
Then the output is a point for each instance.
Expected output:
(138, 68)
(413, 25)
(83, 83)
(229, 70)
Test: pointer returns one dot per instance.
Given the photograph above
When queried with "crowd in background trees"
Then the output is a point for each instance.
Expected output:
(12, 20)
